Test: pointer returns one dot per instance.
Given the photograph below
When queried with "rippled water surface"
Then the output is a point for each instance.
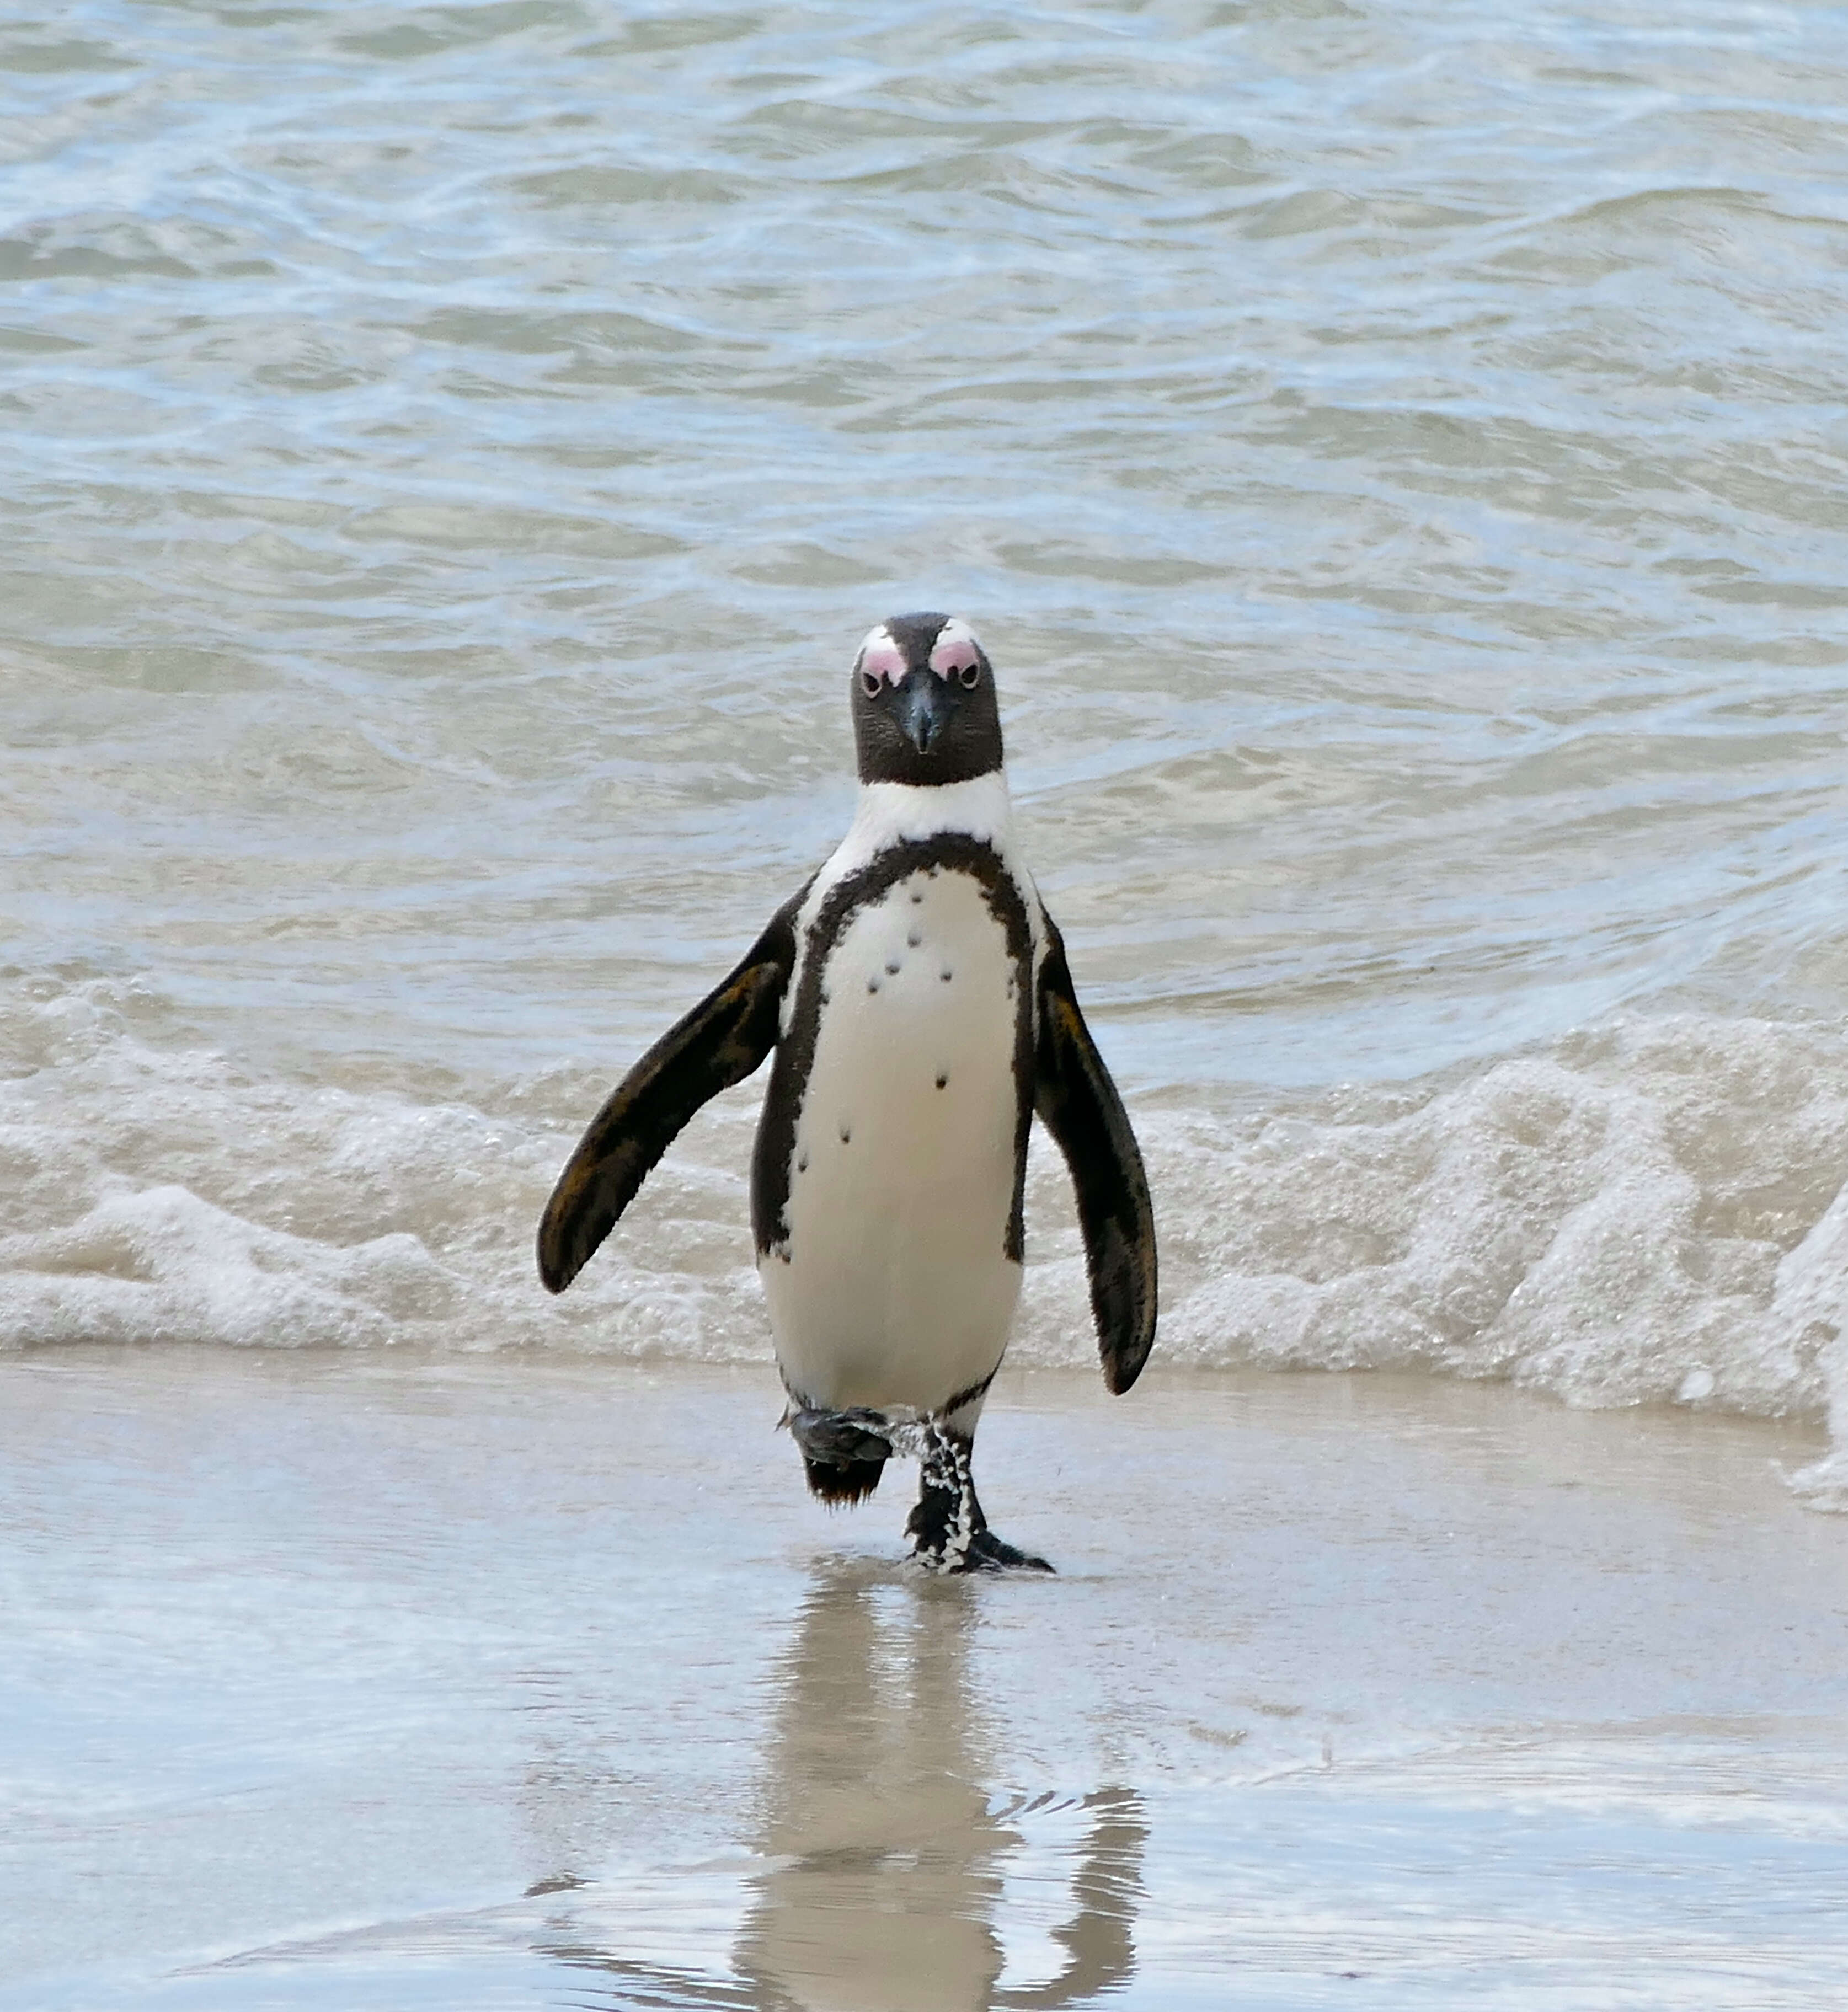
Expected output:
(1394, 455)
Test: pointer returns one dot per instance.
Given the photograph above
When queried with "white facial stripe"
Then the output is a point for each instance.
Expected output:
(881, 658)
(955, 650)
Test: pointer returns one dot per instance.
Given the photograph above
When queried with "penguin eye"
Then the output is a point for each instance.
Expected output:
(971, 675)
(869, 683)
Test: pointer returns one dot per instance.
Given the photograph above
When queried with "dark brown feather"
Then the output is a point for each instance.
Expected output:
(718, 1043)
(842, 1483)
(1079, 1106)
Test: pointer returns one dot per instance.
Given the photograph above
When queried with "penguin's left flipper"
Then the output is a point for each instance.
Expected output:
(1079, 1105)
(718, 1043)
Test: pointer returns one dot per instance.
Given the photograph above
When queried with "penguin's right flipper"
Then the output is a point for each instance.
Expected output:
(718, 1043)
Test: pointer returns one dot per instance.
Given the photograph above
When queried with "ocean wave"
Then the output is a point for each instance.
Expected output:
(1652, 1211)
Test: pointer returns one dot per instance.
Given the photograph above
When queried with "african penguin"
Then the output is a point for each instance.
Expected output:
(917, 997)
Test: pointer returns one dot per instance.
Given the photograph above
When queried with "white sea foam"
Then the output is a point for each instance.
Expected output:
(163, 1193)
(1652, 1212)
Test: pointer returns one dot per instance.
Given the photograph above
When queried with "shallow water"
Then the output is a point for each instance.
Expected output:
(344, 1680)
(1393, 455)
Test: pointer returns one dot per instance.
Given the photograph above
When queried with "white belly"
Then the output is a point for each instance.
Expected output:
(897, 1288)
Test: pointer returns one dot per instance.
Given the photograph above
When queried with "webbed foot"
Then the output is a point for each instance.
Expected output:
(842, 1437)
(845, 1453)
(989, 1553)
(949, 1533)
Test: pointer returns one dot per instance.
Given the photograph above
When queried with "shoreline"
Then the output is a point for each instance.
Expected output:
(355, 1680)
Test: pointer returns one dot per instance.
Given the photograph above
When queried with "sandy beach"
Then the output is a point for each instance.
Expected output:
(384, 1682)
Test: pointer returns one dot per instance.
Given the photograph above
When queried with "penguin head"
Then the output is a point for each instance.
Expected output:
(924, 704)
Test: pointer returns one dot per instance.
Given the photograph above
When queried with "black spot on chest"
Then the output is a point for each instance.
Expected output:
(868, 888)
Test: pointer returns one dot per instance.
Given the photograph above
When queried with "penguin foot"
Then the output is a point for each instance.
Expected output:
(989, 1553)
(844, 1452)
(842, 1437)
(984, 1553)
(949, 1533)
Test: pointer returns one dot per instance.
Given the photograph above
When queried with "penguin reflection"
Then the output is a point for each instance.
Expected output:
(885, 1863)
(885, 1869)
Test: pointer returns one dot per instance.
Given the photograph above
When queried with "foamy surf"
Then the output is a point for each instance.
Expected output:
(1649, 1211)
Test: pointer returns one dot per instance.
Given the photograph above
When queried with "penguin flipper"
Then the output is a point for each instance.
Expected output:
(1078, 1104)
(718, 1043)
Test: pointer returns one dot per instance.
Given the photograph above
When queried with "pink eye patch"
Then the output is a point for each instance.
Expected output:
(955, 655)
(881, 660)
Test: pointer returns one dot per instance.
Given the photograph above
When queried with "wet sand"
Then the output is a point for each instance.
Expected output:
(392, 1682)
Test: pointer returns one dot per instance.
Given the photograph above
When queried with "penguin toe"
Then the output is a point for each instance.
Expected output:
(838, 1436)
(989, 1553)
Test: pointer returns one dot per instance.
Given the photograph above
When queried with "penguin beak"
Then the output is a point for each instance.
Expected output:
(925, 709)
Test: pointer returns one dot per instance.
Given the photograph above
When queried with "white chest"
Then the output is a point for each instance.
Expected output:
(897, 1286)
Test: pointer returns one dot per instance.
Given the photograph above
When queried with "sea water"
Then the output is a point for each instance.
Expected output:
(1394, 455)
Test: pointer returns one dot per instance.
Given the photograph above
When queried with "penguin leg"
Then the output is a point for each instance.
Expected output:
(844, 1452)
(948, 1531)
